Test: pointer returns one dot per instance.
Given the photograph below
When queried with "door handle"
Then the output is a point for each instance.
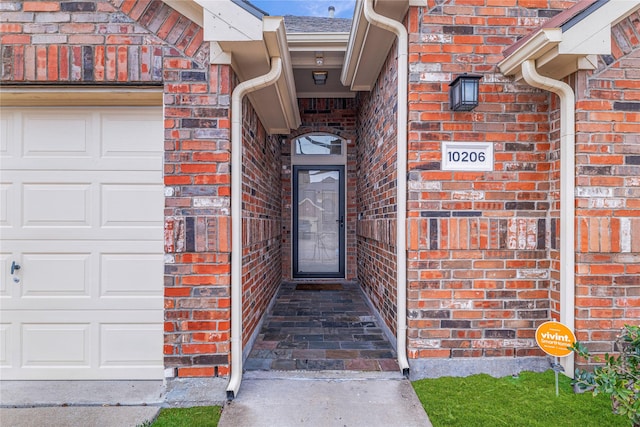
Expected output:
(14, 267)
(341, 221)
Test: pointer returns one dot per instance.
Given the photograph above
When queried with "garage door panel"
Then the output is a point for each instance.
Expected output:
(82, 344)
(82, 138)
(75, 275)
(7, 198)
(56, 344)
(130, 345)
(139, 141)
(67, 208)
(57, 205)
(127, 275)
(5, 273)
(57, 134)
(7, 123)
(5, 339)
(81, 210)
(132, 205)
(56, 275)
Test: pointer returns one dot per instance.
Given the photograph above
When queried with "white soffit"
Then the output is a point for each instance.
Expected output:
(560, 53)
(248, 41)
(226, 21)
(369, 45)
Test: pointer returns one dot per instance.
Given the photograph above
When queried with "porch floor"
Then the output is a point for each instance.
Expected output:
(321, 330)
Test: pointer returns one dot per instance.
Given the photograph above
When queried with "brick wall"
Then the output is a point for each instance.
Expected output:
(608, 191)
(147, 43)
(262, 219)
(334, 116)
(479, 254)
(376, 192)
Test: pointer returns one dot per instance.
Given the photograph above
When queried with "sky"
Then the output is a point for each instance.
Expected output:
(344, 8)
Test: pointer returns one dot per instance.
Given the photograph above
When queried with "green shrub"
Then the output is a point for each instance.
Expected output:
(618, 377)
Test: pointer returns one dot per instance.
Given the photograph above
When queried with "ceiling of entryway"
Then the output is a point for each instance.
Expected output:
(352, 52)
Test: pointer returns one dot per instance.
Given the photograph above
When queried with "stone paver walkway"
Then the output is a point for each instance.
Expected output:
(321, 330)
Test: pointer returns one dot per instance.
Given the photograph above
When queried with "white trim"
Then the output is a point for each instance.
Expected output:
(534, 48)
(33, 96)
(236, 216)
(369, 45)
(190, 9)
(401, 176)
(559, 53)
(226, 21)
(567, 194)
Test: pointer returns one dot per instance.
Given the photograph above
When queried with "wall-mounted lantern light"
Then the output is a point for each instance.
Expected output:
(320, 77)
(463, 92)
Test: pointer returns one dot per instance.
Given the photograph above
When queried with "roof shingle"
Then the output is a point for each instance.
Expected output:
(314, 24)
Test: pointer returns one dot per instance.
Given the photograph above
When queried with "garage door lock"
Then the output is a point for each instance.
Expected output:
(15, 267)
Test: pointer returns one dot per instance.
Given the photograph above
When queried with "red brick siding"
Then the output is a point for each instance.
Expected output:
(608, 192)
(146, 42)
(337, 117)
(261, 208)
(376, 192)
(479, 262)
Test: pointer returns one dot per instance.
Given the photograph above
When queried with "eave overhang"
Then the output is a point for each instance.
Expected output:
(304, 48)
(369, 45)
(246, 39)
(571, 42)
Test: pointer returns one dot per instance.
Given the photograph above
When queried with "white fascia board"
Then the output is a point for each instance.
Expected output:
(226, 21)
(359, 28)
(592, 34)
(275, 38)
(369, 45)
(188, 8)
(217, 55)
(534, 48)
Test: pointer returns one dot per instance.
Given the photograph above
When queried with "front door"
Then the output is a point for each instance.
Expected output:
(318, 221)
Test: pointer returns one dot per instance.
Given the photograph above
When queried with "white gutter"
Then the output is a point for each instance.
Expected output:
(567, 194)
(236, 217)
(401, 177)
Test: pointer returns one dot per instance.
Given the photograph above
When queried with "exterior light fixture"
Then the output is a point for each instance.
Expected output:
(320, 77)
(463, 92)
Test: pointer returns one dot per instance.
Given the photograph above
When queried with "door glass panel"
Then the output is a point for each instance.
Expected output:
(318, 144)
(318, 221)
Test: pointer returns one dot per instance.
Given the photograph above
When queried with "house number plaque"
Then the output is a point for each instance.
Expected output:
(467, 156)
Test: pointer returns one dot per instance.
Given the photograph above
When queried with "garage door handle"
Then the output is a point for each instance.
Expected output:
(14, 267)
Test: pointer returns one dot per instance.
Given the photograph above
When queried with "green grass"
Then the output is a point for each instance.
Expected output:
(528, 400)
(200, 416)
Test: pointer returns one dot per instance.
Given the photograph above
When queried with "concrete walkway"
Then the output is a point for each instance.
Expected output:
(101, 403)
(324, 399)
(79, 403)
(285, 398)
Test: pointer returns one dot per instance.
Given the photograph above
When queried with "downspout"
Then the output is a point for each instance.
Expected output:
(236, 217)
(567, 194)
(401, 177)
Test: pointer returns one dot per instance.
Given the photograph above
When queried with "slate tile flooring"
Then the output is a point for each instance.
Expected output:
(321, 330)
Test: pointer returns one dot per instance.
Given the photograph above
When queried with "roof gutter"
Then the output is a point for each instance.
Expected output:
(238, 94)
(401, 177)
(567, 193)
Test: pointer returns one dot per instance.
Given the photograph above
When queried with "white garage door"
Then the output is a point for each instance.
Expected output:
(81, 213)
